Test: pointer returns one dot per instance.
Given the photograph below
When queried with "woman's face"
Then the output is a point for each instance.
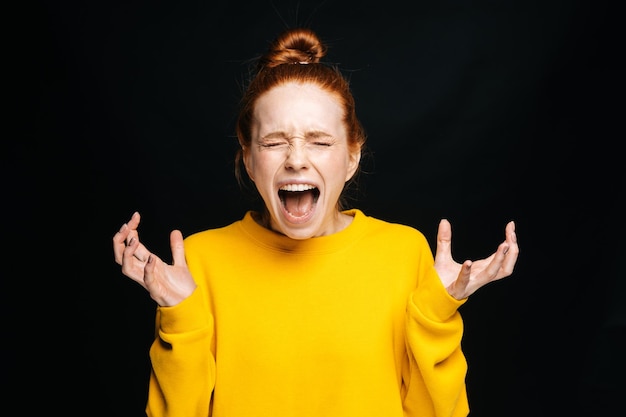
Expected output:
(299, 159)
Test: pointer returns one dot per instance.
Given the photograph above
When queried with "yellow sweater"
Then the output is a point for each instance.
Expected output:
(352, 324)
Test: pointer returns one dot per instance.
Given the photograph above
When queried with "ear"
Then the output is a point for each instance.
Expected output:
(353, 164)
(247, 161)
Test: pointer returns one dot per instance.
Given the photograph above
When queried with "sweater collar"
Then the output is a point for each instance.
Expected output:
(272, 240)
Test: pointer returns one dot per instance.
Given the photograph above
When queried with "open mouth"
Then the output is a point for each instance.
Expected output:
(298, 200)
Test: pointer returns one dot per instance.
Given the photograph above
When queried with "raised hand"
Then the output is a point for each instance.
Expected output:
(168, 285)
(462, 280)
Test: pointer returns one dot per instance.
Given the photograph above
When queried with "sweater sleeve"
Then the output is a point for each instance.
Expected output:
(183, 365)
(435, 378)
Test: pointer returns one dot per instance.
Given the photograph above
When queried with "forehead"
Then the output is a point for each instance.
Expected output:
(296, 107)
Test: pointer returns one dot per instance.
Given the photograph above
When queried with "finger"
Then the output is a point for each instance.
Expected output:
(119, 243)
(123, 236)
(495, 268)
(151, 281)
(510, 235)
(129, 251)
(133, 223)
(178, 248)
(131, 266)
(149, 271)
(459, 288)
(502, 262)
(444, 241)
(141, 252)
(512, 252)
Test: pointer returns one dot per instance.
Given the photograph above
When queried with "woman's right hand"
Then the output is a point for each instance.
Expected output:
(168, 285)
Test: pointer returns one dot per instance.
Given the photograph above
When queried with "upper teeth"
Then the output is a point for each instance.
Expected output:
(297, 187)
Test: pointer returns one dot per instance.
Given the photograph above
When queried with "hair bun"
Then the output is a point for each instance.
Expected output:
(294, 46)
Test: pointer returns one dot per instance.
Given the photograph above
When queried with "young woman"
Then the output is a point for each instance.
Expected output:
(308, 307)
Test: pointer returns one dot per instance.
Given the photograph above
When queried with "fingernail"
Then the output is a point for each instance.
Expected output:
(123, 227)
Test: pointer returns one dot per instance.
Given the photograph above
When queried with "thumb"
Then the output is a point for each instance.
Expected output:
(178, 248)
(444, 241)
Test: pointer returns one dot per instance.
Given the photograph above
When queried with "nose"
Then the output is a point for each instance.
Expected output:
(297, 157)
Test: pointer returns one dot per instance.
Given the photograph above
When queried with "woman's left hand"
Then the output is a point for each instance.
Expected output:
(462, 280)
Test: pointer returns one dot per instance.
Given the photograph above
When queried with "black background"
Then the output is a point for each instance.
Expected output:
(478, 111)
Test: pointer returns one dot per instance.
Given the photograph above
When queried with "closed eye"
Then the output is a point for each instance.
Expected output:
(273, 143)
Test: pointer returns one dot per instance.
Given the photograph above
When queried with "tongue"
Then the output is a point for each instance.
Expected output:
(299, 203)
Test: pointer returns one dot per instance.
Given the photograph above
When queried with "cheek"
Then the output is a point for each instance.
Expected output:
(248, 164)
(353, 164)
(260, 166)
(340, 165)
